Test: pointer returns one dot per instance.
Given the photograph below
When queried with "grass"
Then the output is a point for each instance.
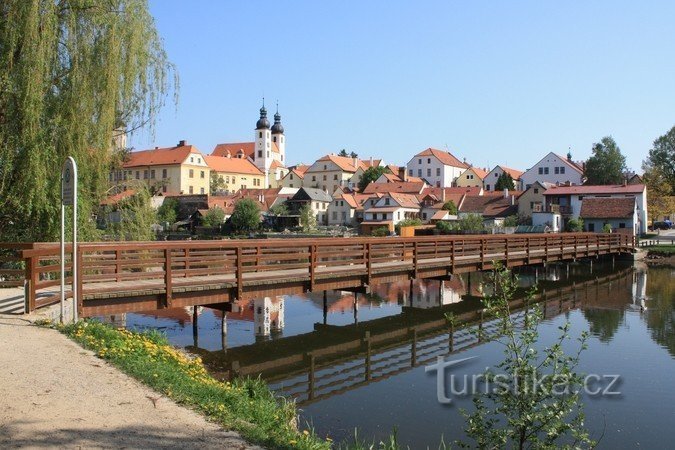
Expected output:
(247, 405)
(665, 250)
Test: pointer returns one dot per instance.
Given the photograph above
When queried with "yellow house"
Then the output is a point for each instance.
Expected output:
(173, 170)
(237, 173)
(331, 172)
(471, 177)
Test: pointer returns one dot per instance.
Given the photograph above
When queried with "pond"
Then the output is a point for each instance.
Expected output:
(355, 360)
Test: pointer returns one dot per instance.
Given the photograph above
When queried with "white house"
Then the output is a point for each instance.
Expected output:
(568, 200)
(342, 210)
(491, 178)
(389, 210)
(554, 169)
(438, 168)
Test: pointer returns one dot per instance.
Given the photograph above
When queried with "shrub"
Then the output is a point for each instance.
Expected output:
(380, 232)
(246, 215)
(575, 225)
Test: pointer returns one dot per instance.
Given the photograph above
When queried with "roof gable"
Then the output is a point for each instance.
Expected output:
(160, 156)
(232, 165)
(446, 158)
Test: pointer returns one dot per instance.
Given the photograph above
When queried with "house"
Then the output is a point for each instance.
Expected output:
(533, 200)
(177, 170)
(400, 175)
(267, 151)
(472, 177)
(331, 172)
(404, 187)
(621, 213)
(491, 178)
(389, 210)
(494, 208)
(437, 167)
(433, 199)
(554, 169)
(342, 210)
(567, 200)
(294, 177)
(317, 200)
(236, 173)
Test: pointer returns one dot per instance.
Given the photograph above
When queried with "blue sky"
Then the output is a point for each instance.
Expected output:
(497, 82)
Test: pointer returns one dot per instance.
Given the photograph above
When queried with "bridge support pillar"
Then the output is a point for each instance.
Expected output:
(325, 307)
(195, 325)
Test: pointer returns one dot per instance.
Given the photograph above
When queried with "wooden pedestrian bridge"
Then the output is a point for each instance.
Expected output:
(119, 277)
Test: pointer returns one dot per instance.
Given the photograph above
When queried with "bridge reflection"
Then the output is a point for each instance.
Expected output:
(334, 359)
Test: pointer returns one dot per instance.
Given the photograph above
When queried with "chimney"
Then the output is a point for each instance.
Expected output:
(443, 195)
(356, 163)
(506, 193)
(403, 173)
(371, 161)
(513, 199)
(182, 143)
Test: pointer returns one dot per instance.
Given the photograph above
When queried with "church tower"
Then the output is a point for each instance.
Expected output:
(278, 137)
(262, 157)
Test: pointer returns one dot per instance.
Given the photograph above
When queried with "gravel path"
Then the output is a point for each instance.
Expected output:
(53, 393)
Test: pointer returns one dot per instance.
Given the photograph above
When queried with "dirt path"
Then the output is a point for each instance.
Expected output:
(53, 393)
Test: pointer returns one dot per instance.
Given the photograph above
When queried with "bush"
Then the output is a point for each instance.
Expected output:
(246, 216)
(450, 207)
(511, 221)
(445, 227)
(575, 225)
(168, 212)
(607, 228)
(307, 218)
(214, 218)
(380, 232)
(407, 223)
(471, 222)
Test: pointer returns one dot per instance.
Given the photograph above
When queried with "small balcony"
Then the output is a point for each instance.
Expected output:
(552, 208)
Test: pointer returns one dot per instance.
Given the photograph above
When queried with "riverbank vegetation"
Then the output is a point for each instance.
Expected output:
(244, 405)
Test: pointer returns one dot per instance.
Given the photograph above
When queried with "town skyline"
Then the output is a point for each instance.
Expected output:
(484, 92)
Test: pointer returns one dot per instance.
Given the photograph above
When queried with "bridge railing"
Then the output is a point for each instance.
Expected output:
(161, 267)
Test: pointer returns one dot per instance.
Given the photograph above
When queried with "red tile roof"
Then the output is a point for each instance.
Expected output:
(598, 190)
(515, 173)
(445, 157)
(223, 164)
(572, 164)
(403, 187)
(489, 205)
(405, 200)
(345, 164)
(234, 148)
(480, 173)
(115, 199)
(607, 208)
(160, 156)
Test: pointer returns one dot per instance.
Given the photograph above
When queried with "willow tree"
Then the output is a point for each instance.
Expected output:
(72, 74)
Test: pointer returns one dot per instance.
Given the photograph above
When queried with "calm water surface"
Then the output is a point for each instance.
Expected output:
(318, 351)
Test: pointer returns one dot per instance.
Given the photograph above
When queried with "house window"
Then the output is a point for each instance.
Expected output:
(291, 176)
(496, 175)
(227, 179)
(556, 170)
(419, 161)
(536, 190)
(428, 172)
(386, 201)
(313, 177)
(541, 171)
(438, 171)
(410, 172)
(581, 197)
(192, 159)
(399, 215)
(201, 190)
(324, 178)
(152, 174)
(191, 190)
(202, 174)
(374, 216)
(428, 160)
(163, 173)
(192, 173)
(138, 175)
(325, 167)
(259, 134)
(545, 170)
(274, 139)
(335, 176)
(199, 160)
(419, 173)
(562, 169)
(342, 203)
(487, 187)
(234, 179)
(622, 225)
(145, 174)
(164, 188)
(259, 153)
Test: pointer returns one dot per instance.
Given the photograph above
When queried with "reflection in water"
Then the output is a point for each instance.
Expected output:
(356, 359)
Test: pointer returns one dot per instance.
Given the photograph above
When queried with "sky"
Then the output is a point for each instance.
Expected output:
(494, 82)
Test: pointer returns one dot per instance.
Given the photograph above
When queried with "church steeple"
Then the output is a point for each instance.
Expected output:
(263, 123)
(277, 128)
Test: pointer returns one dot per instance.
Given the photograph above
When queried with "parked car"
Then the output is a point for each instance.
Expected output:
(665, 225)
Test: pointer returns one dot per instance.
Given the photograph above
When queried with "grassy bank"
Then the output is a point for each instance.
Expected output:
(663, 250)
(246, 406)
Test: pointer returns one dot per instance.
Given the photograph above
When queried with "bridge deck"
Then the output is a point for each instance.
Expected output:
(122, 277)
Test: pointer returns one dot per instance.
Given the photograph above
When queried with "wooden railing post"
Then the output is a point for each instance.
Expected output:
(80, 283)
(369, 263)
(452, 255)
(482, 253)
(239, 270)
(312, 265)
(546, 239)
(506, 250)
(31, 281)
(168, 282)
(118, 265)
(415, 259)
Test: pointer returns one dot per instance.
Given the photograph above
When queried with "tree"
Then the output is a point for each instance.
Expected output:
(445, 227)
(511, 221)
(136, 217)
(450, 207)
(307, 218)
(370, 175)
(280, 209)
(217, 183)
(380, 232)
(662, 157)
(168, 212)
(214, 218)
(343, 153)
(471, 222)
(505, 181)
(245, 216)
(607, 164)
(353, 155)
(74, 76)
(531, 398)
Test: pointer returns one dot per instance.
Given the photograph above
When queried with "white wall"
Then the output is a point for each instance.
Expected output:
(549, 164)
(433, 170)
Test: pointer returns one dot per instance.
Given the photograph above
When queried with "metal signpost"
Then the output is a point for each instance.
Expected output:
(68, 197)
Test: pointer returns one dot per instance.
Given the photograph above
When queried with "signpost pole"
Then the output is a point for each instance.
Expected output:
(69, 197)
(63, 255)
(74, 257)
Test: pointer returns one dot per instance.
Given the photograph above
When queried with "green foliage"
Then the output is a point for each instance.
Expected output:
(446, 227)
(607, 164)
(216, 183)
(380, 232)
(450, 207)
(280, 209)
(516, 413)
(245, 405)
(71, 72)
(511, 221)
(245, 216)
(168, 212)
(607, 228)
(214, 218)
(505, 181)
(371, 174)
(407, 223)
(307, 218)
(575, 225)
(662, 157)
(471, 222)
(136, 217)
